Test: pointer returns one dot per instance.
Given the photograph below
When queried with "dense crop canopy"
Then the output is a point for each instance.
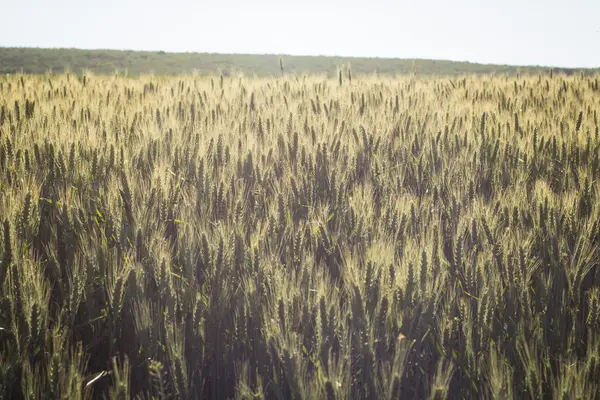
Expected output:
(299, 237)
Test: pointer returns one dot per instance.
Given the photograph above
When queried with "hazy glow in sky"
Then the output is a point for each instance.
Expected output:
(527, 32)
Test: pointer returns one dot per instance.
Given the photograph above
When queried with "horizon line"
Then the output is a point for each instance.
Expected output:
(303, 55)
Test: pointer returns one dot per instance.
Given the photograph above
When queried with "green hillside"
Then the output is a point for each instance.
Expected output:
(38, 61)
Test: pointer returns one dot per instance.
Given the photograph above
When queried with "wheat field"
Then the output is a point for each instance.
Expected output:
(299, 237)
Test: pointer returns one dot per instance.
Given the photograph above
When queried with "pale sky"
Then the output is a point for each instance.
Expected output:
(529, 32)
